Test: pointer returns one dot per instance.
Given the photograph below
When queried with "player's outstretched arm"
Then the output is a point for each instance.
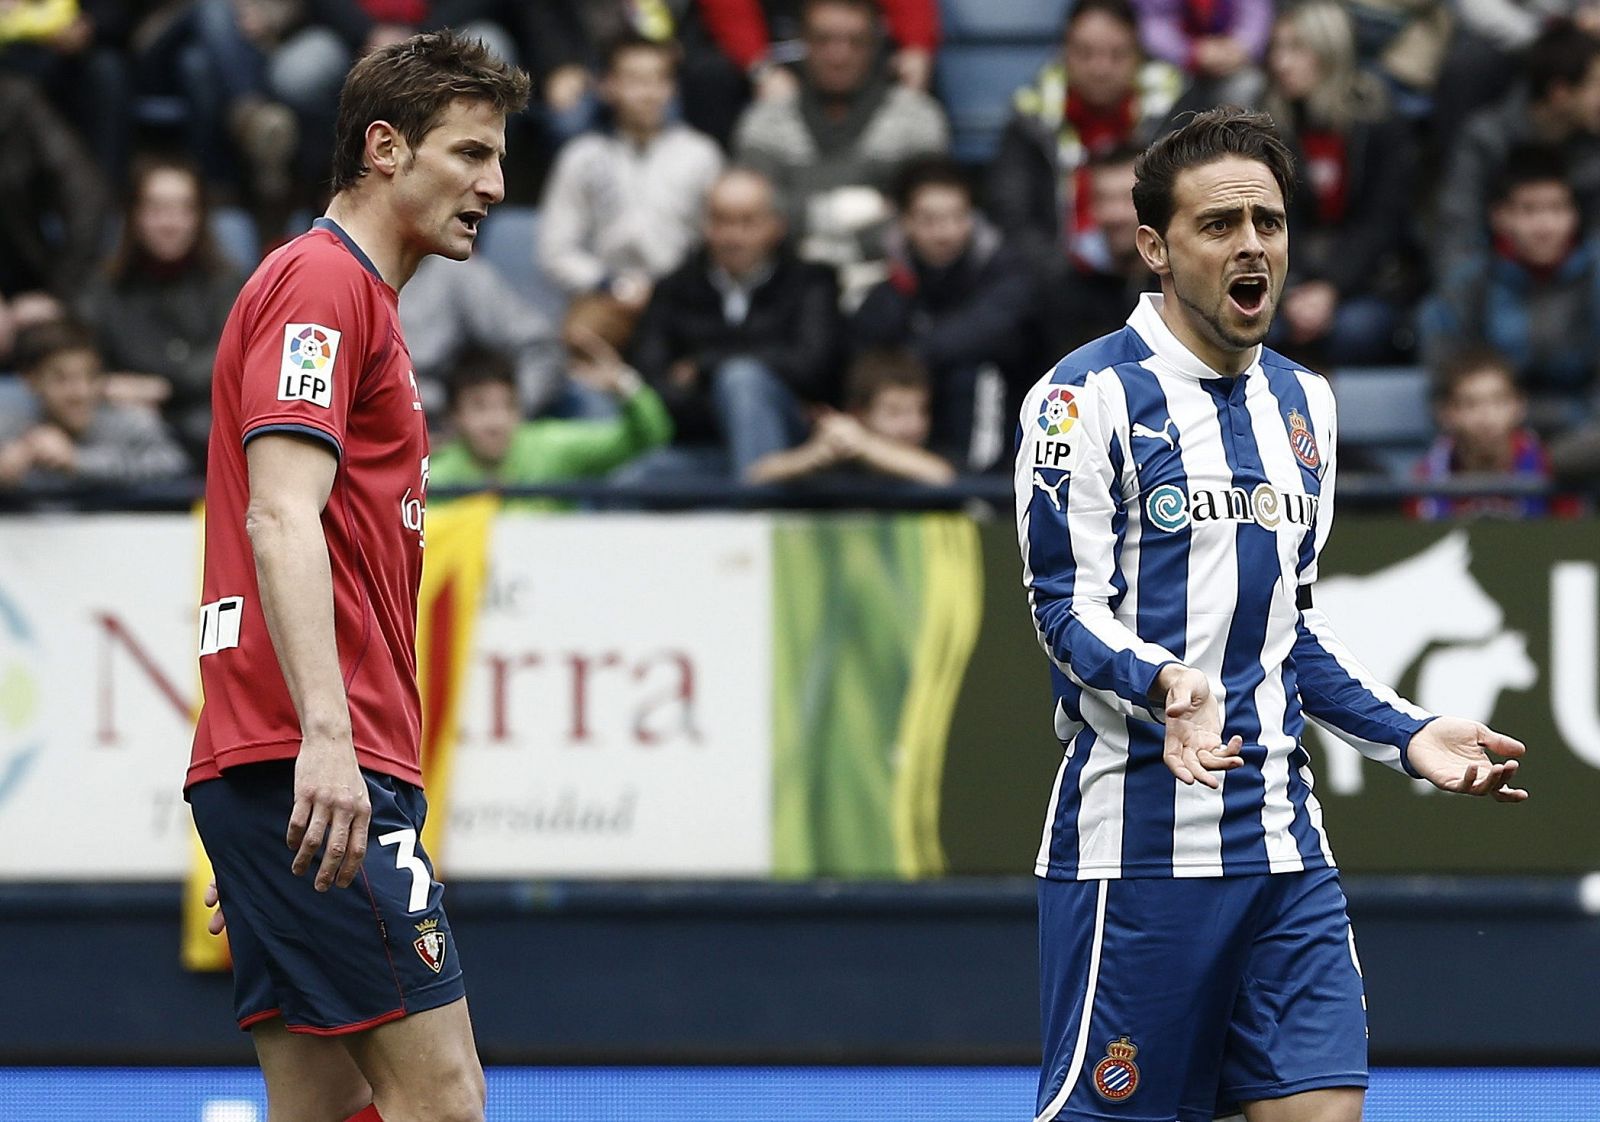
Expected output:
(1193, 750)
(290, 480)
(1454, 755)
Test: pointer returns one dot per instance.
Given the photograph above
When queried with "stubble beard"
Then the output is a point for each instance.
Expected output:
(1215, 325)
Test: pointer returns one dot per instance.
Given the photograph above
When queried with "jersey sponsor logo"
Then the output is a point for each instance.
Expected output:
(306, 373)
(1303, 441)
(1117, 1077)
(1169, 508)
(430, 944)
(414, 508)
(1052, 491)
(219, 624)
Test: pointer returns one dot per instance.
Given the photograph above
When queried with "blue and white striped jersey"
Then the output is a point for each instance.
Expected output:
(1167, 513)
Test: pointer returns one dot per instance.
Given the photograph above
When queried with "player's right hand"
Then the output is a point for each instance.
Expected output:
(1193, 749)
(331, 812)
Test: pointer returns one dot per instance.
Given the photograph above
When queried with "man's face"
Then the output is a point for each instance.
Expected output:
(166, 219)
(69, 387)
(1102, 58)
(1539, 220)
(743, 227)
(899, 413)
(486, 417)
(446, 184)
(1295, 67)
(639, 87)
(1111, 197)
(1227, 250)
(938, 224)
(841, 43)
(1482, 412)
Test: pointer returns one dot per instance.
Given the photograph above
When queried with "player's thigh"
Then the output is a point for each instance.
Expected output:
(423, 1068)
(1137, 983)
(1329, 1104)
(309, 1078)
(1300, 1022)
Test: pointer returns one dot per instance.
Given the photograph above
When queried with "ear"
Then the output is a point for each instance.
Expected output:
(385, 148)
(1153, 248)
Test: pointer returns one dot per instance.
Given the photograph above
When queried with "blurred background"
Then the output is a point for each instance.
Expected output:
(737, 734)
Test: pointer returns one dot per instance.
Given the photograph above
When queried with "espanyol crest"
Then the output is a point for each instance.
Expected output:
(1303, 441)
(1117, 1076)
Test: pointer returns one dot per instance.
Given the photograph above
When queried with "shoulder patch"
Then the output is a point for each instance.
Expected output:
(1054, 431)
(306, 373)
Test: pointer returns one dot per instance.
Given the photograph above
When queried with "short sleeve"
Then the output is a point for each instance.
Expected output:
(305, 351)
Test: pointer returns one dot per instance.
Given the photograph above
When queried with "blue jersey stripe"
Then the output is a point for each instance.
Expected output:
(1256, 551)
(1291, 395)
(1064, 833)
(1149, 808)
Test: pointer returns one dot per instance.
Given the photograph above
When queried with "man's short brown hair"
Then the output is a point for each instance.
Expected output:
(1203, 139)
(38, 344)
(881, 368)
(410, 85)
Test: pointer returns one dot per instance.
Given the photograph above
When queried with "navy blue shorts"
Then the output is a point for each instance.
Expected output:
(1180, 999)
(326, 962)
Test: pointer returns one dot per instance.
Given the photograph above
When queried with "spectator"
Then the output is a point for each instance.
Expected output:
(52, 201)
(494, 446)
(888, 397)
(1356, 165)
(1219, 45)
(449, 306)
(622, 208)
(740, 339)
(74, 435)
(566, 38)
(1090, 295)
(1404, 42)
(836, 148)
(1098, 95)
(1481, 415)
(1558, 104)
(961, 302)
(1534, 297)
(159, 305)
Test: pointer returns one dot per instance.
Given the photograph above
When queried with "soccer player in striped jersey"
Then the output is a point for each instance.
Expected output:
(1175, 485)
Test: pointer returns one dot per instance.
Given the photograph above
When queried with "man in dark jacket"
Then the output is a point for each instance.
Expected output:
(961, 300)
(742, 337)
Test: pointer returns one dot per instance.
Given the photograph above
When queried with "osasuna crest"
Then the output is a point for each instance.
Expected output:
(1303, 441)
(1117, 1076)
(430, 944)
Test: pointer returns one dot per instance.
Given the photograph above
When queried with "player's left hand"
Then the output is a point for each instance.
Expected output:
(1453, 754)
(217, 923)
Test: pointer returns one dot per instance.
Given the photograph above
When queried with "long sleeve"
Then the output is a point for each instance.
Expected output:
(1069, 527)
(984, 327)
(580, 449)
(564, 226)
(1336, 690)
(498, 318)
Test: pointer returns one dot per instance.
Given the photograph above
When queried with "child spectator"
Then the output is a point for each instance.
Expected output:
(888, 397)
(741, 339)
(73, 435)
(1097, 95)
(158, 307)
(622, 208)
(494, 446)
(1356, 165)
(1534, 297)
(961, 301)
(1481, 415)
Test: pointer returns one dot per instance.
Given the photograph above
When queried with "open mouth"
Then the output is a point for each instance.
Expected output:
(1249, 293)
(470, 219)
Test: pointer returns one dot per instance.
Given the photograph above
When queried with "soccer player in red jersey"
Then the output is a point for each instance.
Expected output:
(345, 971)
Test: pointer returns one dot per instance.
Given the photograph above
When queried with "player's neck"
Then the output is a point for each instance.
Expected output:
(1224, 360)
(373, 231)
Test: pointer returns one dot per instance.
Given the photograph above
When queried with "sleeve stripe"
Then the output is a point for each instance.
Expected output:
(312, 431)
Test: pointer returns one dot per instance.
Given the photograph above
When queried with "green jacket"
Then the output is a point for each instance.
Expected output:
(552, 451)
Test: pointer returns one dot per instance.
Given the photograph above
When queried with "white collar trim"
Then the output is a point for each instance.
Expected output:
(1147, 322)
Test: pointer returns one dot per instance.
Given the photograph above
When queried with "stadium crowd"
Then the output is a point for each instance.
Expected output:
(758, 257)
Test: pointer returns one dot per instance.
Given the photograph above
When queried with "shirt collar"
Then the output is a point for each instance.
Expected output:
(1147, 322)
(337, 231)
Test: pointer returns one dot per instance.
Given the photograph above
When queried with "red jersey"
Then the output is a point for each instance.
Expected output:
(313, 347)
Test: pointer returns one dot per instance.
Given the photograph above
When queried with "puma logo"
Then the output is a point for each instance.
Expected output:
(1170, 439)
(1053, 492)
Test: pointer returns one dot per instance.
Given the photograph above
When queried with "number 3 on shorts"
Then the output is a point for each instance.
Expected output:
(406, 859)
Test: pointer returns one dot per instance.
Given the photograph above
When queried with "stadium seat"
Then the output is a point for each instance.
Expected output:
(508, 241)
(976, 82)
(1387, 412)
(971, 20)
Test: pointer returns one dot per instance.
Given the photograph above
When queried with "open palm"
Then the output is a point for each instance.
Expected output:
(1454, 755)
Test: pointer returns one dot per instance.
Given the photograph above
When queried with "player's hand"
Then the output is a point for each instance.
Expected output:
(53, 448)
(331, 812)
(1193, 750)
(1453, 754)
(218, 923)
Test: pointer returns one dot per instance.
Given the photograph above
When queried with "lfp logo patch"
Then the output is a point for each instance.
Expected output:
(1117, 1076)
(306, 374)
(1303, 441)
(1058, 412)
